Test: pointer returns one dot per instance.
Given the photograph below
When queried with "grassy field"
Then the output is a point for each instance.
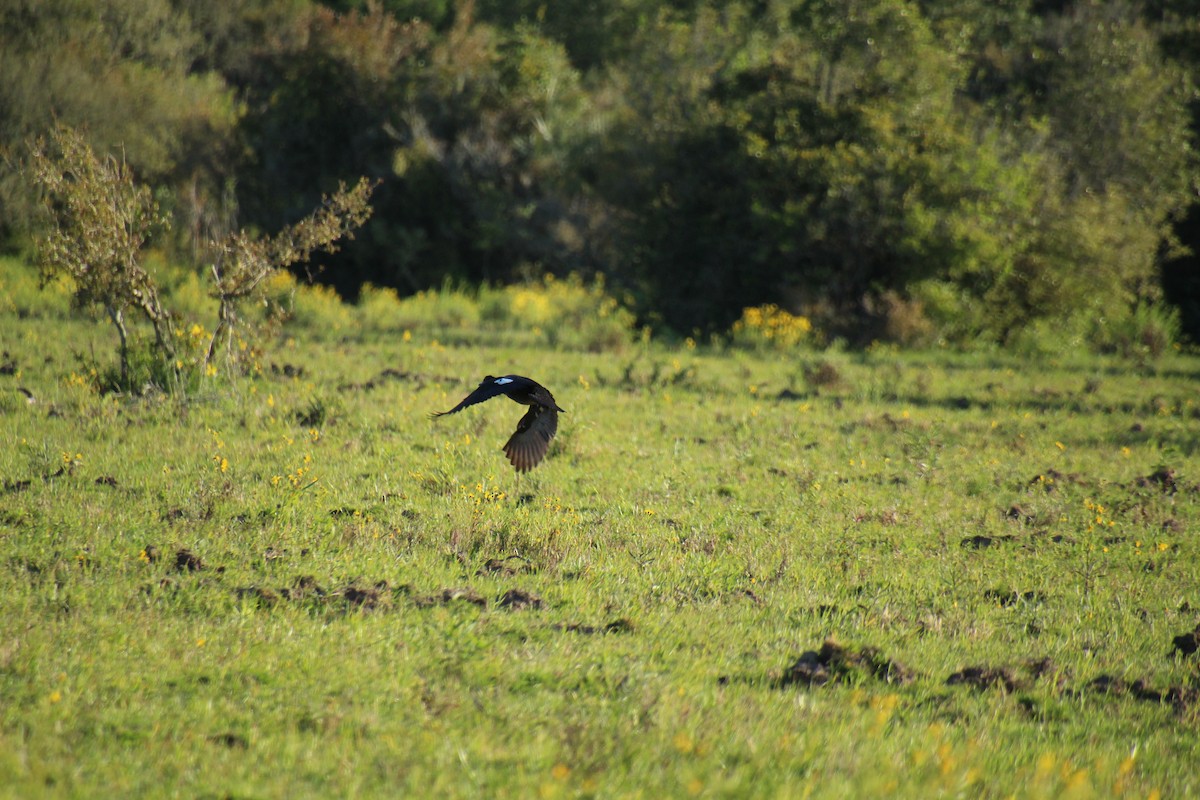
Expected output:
(738, 574)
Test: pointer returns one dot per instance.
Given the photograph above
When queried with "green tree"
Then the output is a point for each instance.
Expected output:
(470, 131)
(821, 164)
(123, 72)
(1086, 91)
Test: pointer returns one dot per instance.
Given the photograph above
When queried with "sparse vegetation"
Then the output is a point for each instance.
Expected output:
(100, 220)
(242, 261)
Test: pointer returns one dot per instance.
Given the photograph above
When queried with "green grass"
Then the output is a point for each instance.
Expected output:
(703, 520)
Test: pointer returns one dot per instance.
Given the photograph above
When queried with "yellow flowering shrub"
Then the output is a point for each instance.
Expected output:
(769, 326)
(320, 307)
(315, 305)
(378, 304)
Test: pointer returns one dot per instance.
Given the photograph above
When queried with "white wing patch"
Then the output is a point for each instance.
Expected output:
(502, 381)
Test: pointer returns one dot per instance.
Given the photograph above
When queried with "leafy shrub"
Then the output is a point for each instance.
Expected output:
(100, 221)
(823, 374)
(904, 319)
(319, 308)
(378, 306)
(240, 262)
(1051, 337)
(952, 312)
(449, 308)
(21, 292)
(1146, 332)
(567, 312)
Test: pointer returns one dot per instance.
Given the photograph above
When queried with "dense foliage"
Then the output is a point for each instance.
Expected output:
(99, 219)
(917, 170)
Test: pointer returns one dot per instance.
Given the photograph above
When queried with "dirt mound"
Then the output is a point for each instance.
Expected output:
(1009, 598)
(510, 565)
(261, 596)
(984, 676)
(519, 599)
(378, 595)
(365, 595)
(1187, 643)
(1162, 479)
(979, 542)
(833, 663)
(187, 561)
(447, 596)
(230, 740)
(303, 586)
(1051, 479)
(1184, 699)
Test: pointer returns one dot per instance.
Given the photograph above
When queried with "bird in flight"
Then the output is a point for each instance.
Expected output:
(528, 445)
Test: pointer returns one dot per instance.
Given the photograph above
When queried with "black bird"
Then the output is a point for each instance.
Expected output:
(528, 445)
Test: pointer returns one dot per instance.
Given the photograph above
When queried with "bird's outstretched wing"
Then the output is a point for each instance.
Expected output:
(527, 447)
(489, 388)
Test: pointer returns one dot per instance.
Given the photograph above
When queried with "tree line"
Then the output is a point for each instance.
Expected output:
(915, 170)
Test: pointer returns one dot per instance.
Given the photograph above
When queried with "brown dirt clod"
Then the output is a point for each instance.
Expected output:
(982, 677)
(230, 740)
(187, 561)
(979, 542)
(519, 599)
(450, 595)
(833, 663)
(510, 565)
(1163, 479)
(1187, 643)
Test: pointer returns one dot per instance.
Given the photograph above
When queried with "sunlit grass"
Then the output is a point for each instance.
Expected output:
(293, 583)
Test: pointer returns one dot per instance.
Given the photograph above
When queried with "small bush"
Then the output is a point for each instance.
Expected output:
(904, 320)
(1146, 332)
(770, 327)
(823, 374)
(21, 292)
(1051, 337)
(567, 312)
(242, 263)
(378, 306)
(320, 309)
(953, 314)
(446, 309)
(98, 220)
